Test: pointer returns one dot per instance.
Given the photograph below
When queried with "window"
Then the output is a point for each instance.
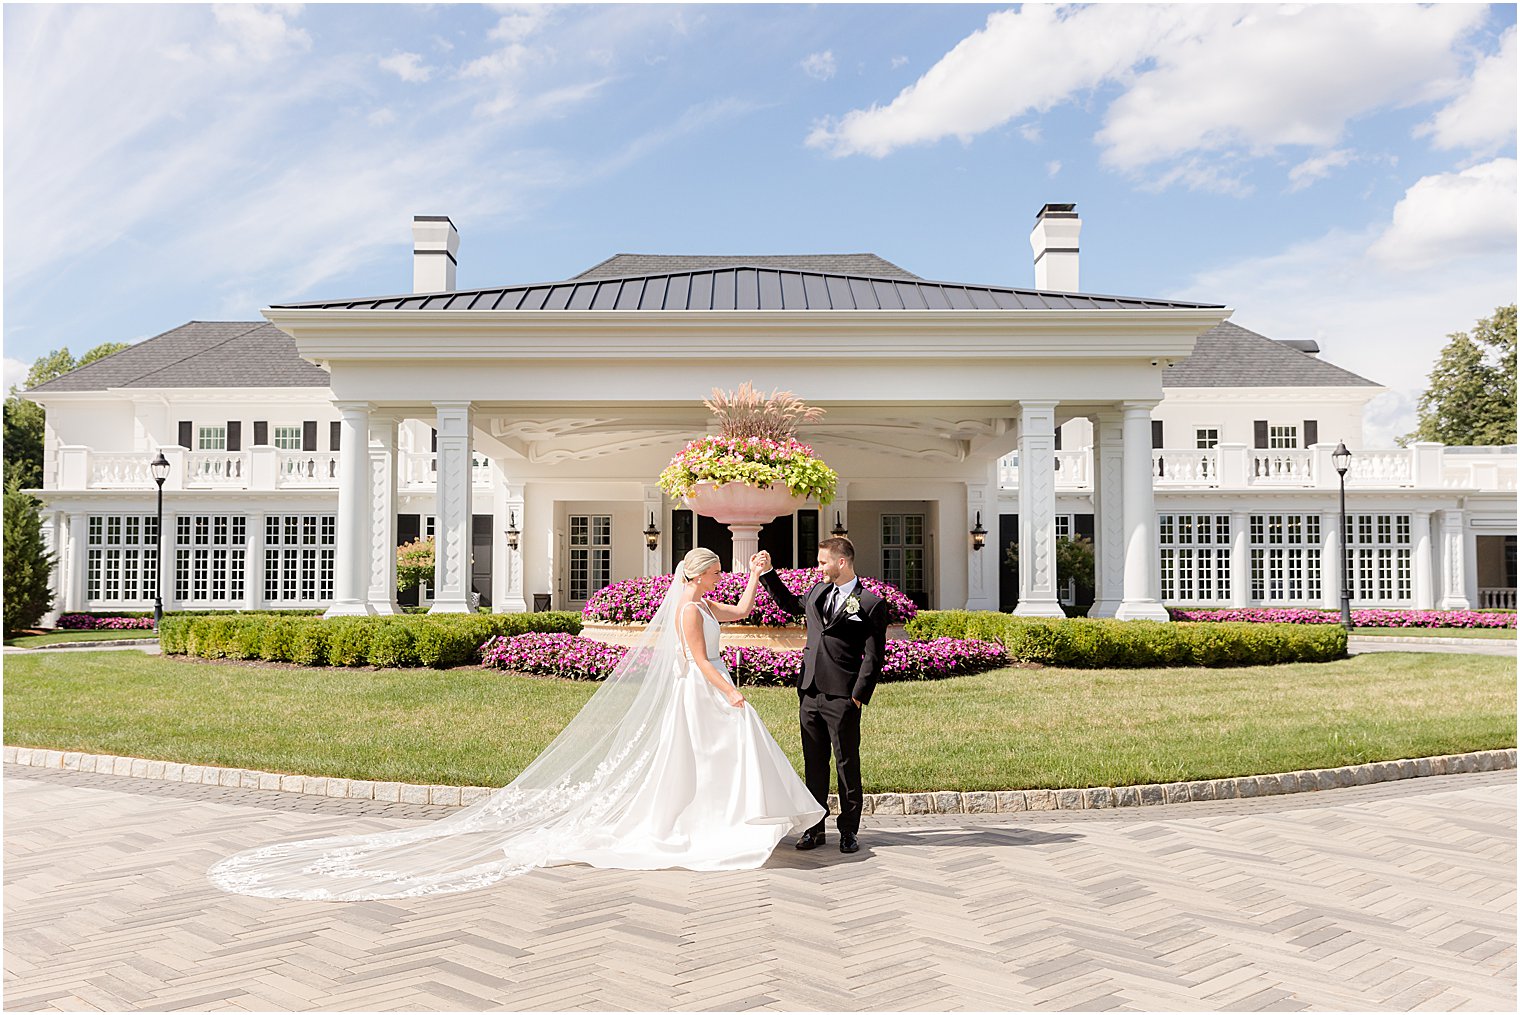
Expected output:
(212, 438)
(1285, 558)
(121, 558)
(298, 557)
(1282, 436)
(288, 438)
(1063, 527)
(1195, 558)
(590, 555)
(1206, 438)
(1380, 545)
(902, 552)
(210, 553)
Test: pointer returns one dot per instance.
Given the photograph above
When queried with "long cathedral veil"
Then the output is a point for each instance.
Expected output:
(585, 779)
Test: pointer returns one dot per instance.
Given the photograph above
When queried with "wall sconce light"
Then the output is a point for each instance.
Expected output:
(652, 534)
(838, 531)
(512, 534)
(978, 534)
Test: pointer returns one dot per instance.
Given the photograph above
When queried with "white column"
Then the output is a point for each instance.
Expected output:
(1108, 512)
(253, 562)
(1331, 558)
(54, 540)
(1240, 558)
(1453, 562)
(166, 537)
(654, 507)
(982, 565)
(351, 556)
(451, 582)
(78, 552)
(1140, 580)
(510, 584)
(1420, 552)
(1038, 593)
(382, 518)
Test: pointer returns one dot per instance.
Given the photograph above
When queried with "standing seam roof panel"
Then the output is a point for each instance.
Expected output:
(701, 291)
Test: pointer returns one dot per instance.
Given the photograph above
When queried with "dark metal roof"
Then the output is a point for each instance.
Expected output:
(1229, 356)
(200, 354)
(625, 265)
(748, 288)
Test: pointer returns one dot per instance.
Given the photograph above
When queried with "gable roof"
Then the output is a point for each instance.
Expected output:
(200, 354)
(625, 265)
(1229, 356)
(748, 287)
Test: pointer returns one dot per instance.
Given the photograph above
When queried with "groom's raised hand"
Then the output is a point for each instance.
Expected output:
(760, 563)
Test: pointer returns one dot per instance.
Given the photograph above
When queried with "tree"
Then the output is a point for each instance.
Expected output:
(1471, 396)
(1074, 562)
(25, 422)
(28, 564)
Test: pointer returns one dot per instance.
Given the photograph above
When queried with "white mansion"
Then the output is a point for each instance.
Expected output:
(525, 425)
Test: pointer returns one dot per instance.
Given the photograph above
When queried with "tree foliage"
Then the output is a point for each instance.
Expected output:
(1075, 561)
(1470, 399)
(25, 422)
(28, 564)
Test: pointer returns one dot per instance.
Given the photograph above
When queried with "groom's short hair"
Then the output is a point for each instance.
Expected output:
(839, 547)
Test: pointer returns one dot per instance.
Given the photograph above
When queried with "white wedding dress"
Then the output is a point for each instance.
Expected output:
(657, 770)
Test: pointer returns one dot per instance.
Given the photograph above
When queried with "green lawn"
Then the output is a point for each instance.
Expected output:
(1002, 730)
(1498, 633)
(57, 637)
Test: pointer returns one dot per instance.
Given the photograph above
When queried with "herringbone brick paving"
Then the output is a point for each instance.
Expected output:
(1387, 897)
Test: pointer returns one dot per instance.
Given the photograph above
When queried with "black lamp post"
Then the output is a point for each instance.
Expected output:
(512, 533)
(652, 534)
(1342, 459)
(838, 531)
(160, 467)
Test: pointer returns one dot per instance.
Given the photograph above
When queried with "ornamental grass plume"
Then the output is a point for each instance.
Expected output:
(747, 413)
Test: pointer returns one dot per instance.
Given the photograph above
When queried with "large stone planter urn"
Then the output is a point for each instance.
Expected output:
(745, 510)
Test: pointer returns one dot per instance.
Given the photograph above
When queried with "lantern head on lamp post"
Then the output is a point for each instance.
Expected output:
(513, 535)
(1341, 457)
(838, 531)
(978, 534)
(160, 469)
(652, 534)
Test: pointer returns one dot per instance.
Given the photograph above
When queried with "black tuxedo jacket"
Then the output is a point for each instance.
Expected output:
(843, 657)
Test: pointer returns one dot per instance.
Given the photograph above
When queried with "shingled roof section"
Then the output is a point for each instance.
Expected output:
(201, 354)
(749, 288)
(1229, 356)
(625, 265)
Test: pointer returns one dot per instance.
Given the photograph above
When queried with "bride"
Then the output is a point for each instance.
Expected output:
(667, 765)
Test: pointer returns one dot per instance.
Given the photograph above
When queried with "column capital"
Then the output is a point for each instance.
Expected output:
(1038, 403)
(1130, 407)
(348, 407)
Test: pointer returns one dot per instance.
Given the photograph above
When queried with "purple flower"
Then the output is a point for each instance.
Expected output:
(635, 601)
(90, 622)
(1371, 617)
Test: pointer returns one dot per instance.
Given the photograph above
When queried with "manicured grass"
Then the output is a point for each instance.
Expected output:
(56, 637)
(1496, 633)
(1002, 730)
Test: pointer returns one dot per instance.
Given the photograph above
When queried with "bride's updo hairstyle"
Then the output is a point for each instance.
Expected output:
(697, 560)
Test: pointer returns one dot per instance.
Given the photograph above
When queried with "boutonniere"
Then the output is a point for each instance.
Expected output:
(851, 606)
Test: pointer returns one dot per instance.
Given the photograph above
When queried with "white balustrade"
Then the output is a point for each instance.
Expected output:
(1281, 466)
(216, 468)
(1184, 467)
(121, 472)
(1074, 469)
(420, 469)
(307, 469)
(1393, 467)
(1496, 599)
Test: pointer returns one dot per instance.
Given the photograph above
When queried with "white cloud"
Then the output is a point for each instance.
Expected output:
(1193, 80)
(1053, 167)
(15, 373)
(1452, 216)
(820, 66)
(407, 66)
(1031, 132)
(899, 61)
(381, 117)
(1317, 167)
(1482, 118)
(257, 32)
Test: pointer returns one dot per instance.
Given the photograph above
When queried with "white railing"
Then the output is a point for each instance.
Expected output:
(1393, 467)
(1282, 466)
(307, 469)
(1183, 467)
(420, 469)
(1479, 469)
(120, 472)
(216, 468)
(1073, 470)
(1496, 599)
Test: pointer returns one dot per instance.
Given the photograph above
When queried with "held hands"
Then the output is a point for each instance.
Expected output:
(760, 563)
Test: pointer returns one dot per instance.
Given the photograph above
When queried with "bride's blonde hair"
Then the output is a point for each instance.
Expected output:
(697, 560)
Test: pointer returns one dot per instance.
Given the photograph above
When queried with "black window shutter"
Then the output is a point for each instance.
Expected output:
(309, 435)
(1260, 426)
(1058, 438)
(1082, 525)
(334, 432)
(186, 433)
(260, 432)
(1157, 438)
(234, 435)
(1311, 432)
(434, 448)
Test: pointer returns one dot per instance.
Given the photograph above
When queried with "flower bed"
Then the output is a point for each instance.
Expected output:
(577, 658)
(1359, 618)
(635, 601)
(88, 622)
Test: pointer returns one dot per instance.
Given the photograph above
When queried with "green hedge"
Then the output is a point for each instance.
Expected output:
(435, 640)
(1095, 644)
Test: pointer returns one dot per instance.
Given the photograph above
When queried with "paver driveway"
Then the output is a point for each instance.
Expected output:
(1392, 896)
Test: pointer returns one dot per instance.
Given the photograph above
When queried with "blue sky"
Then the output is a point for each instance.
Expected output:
(1344, 173)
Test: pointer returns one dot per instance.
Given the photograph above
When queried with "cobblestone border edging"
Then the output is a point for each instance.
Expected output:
(1001, 802)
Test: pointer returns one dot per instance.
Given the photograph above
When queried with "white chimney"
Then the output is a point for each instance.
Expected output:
(1054, 240)
(435, 242)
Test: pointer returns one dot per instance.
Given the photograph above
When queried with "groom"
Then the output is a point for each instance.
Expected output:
(846, 643)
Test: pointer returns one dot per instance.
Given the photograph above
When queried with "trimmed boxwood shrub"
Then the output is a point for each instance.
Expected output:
(436, 640)
(1098, 644)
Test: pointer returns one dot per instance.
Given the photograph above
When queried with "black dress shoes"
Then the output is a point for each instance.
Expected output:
(810, 839)
(847, 842)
